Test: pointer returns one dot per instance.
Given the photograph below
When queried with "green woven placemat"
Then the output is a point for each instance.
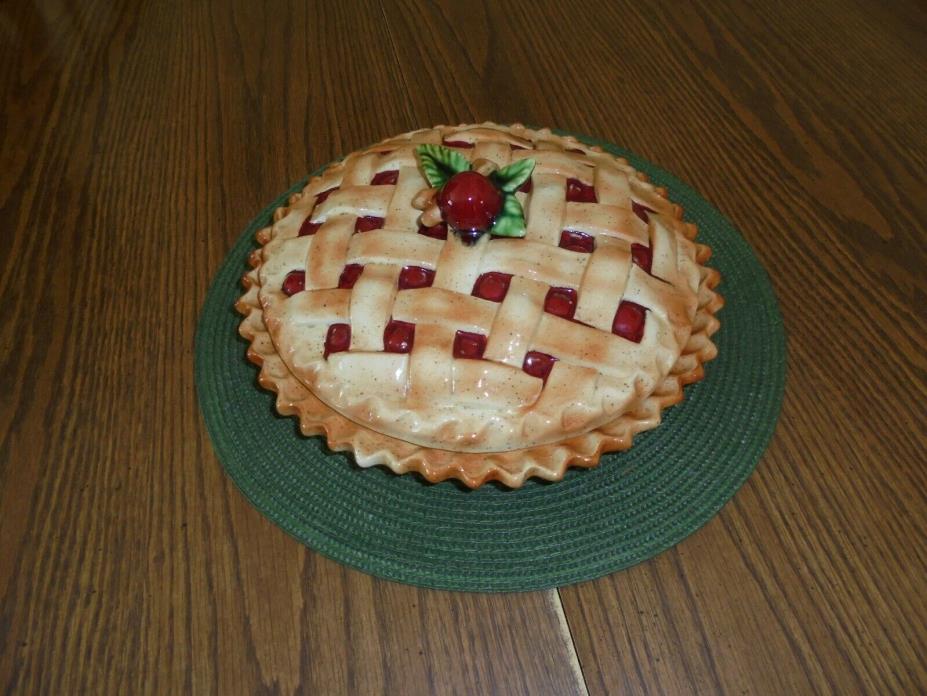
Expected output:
(631, 507)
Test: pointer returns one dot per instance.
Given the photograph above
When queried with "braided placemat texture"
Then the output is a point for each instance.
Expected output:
(631, 507)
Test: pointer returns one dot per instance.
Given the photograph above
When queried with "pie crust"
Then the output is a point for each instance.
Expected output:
(494, 417)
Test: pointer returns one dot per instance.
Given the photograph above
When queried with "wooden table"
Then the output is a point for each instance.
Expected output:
(137, 140)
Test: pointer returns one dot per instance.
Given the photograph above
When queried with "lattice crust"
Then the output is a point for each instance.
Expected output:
(511, 468)
(360, 213)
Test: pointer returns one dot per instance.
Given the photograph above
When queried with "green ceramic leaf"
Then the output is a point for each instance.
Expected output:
(511, 221)
(440, 163)
(509, 178)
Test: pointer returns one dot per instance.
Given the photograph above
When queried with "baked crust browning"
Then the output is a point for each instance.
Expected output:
(479, 419)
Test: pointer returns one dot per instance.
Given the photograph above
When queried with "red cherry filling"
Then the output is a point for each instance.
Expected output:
(383, 178)
(367, 223)
(294, 282)
(642, 211)
(308, 228)
(469, 201)
(338, 338)
(538, 364)
(578, 192)
(398, 336)
(469, 345)
(413, 277)
(561, 301)
(320, 197)
(629, 321)
(438, 231)
(527, 186)
(458, 143)
(492, 286)
(349, 275)
(577, 241)
(642, 256)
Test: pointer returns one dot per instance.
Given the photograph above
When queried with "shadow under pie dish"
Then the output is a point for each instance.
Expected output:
(479, 302)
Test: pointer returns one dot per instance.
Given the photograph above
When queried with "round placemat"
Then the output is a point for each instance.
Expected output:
(631, 507)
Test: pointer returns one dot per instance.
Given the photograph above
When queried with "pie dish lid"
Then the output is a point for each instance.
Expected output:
(546, 372)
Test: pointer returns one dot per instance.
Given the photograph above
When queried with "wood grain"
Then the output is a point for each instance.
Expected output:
(137, 140)
(822, 569)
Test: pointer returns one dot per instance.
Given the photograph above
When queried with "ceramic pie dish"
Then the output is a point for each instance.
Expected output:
(480, 302)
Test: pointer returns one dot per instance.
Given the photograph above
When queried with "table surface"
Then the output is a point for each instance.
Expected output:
(138, 139)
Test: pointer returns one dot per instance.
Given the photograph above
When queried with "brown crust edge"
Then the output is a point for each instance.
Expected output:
(511, 469)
